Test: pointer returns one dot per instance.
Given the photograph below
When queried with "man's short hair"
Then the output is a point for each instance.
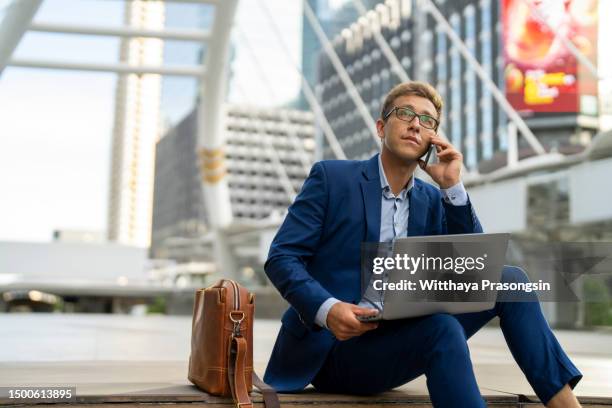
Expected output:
(412, 88)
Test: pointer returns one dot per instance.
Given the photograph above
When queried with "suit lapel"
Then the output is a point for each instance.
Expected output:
(419, 204)
(371, 192)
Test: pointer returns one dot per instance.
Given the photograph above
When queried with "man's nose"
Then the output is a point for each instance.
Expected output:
(414, 124)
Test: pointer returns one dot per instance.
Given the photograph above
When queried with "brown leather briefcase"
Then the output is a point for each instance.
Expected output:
(221, 360)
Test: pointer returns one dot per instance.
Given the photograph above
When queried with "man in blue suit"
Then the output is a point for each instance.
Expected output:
(314, 261)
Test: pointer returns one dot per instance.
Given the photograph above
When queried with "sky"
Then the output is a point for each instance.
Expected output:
(56, 126)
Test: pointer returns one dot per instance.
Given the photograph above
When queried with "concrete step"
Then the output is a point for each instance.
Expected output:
(186, 395)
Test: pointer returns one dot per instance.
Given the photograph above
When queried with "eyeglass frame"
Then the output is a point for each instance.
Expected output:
(396, 108)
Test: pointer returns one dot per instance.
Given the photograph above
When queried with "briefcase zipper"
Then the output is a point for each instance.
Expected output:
(236, 294)
(237, 321)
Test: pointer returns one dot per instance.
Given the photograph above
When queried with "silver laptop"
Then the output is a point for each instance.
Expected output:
(401, 304)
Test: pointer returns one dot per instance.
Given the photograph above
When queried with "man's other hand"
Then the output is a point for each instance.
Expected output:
(342, 320)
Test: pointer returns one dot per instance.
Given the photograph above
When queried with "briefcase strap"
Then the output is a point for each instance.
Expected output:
(270, 396)
(235, 371)
(237, 381)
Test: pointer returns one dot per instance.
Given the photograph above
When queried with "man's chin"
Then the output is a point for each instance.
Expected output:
(408, 155)
(406, 152)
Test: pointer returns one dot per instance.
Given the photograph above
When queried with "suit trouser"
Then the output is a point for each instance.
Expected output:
(399, 351)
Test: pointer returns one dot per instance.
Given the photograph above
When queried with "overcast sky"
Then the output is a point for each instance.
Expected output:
(55, 126)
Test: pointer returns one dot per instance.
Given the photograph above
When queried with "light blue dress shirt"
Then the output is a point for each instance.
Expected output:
(394, 220)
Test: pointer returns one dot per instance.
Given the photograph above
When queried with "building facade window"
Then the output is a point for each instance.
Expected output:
(455, 86)
(471, 148)
(442, 71)
(486, 48)
(502, 131)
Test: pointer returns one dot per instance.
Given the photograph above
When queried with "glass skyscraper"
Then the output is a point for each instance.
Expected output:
(470, 119)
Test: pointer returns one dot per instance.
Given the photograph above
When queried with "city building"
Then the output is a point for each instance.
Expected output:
(178, 205)
(87, 277)
(79, 236)
(472, 119)
(268, 155)
(136, 130)
(179, 94)
(333, 16)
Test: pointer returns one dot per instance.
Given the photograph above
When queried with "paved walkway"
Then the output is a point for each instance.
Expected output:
(105, 354)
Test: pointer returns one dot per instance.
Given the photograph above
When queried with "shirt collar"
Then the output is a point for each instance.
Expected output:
(385, 184)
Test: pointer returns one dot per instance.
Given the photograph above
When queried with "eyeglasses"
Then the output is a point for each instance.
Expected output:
(408, 115)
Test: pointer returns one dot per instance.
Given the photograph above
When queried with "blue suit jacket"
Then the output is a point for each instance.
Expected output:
(316, 255)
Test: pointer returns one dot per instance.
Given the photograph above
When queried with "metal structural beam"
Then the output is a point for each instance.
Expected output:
(342, 73)
(328, 132)
(119, 68)
(293, 137)
(211, 135)
(512, 158)
(535, 144)
(396, 66)
(211, 117)
(284, 179)
(567, 43)
(16, 20)
(166, 34)
(268, 146)
(213, 2)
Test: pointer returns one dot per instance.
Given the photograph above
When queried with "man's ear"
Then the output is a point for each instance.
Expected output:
(380, 128)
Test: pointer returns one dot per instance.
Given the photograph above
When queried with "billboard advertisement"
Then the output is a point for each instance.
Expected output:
(541, 74)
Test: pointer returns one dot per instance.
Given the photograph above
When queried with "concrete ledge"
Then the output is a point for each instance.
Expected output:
(132, 383)
(187, 395)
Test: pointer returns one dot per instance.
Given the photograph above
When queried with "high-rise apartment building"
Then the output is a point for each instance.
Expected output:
(136, 130)
(268, 154)
(471, 119)
(332, 18)
(426, 54)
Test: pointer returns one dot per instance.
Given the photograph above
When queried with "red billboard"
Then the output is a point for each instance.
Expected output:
(541, 73)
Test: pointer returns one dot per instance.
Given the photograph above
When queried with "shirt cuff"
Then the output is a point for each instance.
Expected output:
(455, 195)
(321, 316)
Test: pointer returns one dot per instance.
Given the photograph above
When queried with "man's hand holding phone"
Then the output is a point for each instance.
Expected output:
(447, 172)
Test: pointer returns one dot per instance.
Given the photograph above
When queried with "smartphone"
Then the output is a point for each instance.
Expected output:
(370, 318)
(430, 150)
